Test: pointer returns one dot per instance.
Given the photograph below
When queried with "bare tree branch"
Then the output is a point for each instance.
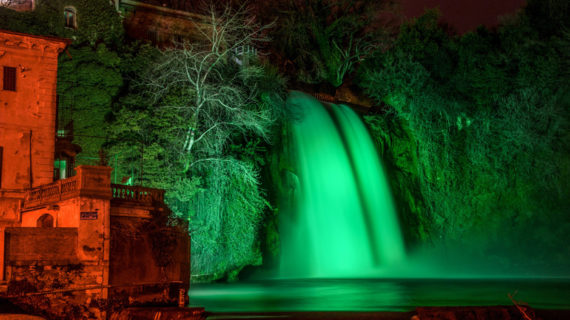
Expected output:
(214, 94)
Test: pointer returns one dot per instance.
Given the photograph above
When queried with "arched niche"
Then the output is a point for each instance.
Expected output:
(45, 221)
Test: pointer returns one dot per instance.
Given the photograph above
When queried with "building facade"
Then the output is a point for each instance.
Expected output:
(162, 23)
(78, 247)
(27, 119)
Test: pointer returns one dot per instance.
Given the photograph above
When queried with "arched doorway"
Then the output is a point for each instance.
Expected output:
(45, 221)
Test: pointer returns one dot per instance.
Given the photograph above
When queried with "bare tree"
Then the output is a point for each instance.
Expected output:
(207, 100)
(205, 85)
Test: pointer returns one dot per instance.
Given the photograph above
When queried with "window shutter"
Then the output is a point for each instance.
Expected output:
(1, 157)
(10, 78)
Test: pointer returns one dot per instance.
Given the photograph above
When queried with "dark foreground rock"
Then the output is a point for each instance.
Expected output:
(421, 313)
(162, 313)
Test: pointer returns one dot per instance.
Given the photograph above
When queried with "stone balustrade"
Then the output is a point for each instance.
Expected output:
(137, 194)
(51, 193)
(91, 181)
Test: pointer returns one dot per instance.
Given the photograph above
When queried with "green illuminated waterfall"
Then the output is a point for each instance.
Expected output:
(337, 218)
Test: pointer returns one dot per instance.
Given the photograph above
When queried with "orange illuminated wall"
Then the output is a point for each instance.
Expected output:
(28, 75)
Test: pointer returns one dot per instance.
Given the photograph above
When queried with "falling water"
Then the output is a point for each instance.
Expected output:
(337, 218)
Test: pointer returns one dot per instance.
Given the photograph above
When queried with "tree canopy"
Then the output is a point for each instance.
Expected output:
(206, 109)
(486, 121)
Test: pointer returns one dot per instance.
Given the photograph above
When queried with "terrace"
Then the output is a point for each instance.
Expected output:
(80, 184)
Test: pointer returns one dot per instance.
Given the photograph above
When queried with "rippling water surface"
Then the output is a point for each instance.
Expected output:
(376, 294)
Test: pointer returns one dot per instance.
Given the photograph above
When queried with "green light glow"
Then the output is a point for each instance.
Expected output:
(367, 295)
(61, 165)
(338, 219)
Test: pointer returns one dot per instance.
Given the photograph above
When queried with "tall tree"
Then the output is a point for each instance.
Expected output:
(203, 84)
(207, 106)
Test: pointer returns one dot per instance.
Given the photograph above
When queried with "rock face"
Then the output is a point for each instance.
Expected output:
(397, 147)
(472, 313)
(344, 94)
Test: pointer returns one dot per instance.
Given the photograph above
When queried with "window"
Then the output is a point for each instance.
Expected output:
(10, 78)
(60, 169)
(152, 36)
(45, 221)
(1, 156)
(70, 15)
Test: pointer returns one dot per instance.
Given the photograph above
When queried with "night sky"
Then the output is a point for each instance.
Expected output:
(464, 15)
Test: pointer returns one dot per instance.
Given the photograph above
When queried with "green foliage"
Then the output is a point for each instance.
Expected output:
(19, 21)
(549, 17)
(488, 122)
(225, 217)
(220, 195)
(397, 144)
(324, 40)
(97, 21)
(196, 124)
(89, 80)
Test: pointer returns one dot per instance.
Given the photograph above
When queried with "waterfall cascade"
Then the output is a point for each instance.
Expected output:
(338, 218)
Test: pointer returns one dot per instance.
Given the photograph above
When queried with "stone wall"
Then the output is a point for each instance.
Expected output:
(40, 246)
(161, 25)
(56, 291)
(19, 5)
(149, 262)
(46, 276)
(27, 125)
(99, 252)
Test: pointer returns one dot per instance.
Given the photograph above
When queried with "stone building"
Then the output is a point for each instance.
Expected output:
(20, 5)
(77, 247)
(160, 22)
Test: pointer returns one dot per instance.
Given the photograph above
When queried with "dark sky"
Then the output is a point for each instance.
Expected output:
(464, 15)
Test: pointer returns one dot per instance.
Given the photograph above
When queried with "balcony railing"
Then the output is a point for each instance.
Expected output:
(51, 193)
(137, 194)
(69, 188)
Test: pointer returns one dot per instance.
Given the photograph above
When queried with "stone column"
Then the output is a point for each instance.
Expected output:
(94, 185)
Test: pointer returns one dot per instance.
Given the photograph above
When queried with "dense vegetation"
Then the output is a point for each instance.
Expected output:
(201, 131)
(473, 128)
(477, 133)
(320, 43)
